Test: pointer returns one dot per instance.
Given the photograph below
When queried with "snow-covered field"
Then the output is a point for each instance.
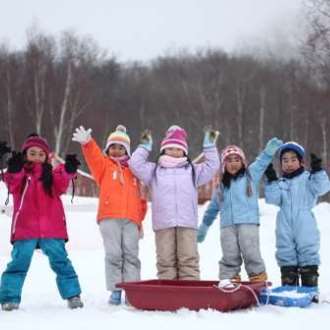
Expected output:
(42, 307)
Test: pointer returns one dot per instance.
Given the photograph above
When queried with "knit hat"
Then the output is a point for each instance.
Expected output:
(34, 140)
(176, 137)
(119, 136)
(292, 146)
(232, 150)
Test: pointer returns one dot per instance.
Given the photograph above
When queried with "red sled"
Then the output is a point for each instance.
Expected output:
(171, 295)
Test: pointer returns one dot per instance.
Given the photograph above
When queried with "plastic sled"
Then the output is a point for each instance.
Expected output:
(171, 295)
(289, 296)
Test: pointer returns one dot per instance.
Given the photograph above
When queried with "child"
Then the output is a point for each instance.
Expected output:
(296, 193)
(38, 220)
(173, 180)
(121, 208)
(237, 200)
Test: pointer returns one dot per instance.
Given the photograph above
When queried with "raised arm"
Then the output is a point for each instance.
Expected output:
(138, 163)
(206, 170)
(258, 167)
(93, 155)
(318, 183)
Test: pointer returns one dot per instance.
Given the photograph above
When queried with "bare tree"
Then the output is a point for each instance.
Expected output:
(75, 58)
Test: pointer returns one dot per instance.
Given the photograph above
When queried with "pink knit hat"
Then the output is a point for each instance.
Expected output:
(36, 141)
(232, 150)
(176, 137)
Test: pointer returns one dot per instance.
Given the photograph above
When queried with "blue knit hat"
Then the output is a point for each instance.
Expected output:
(292, 146)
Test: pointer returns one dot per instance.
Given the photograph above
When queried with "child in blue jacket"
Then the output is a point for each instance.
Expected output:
(237, 201)
(296, 193)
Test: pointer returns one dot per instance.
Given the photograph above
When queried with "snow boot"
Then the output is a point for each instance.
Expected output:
(75, 302)
(309, 277)
(261, 277)
(290, 275)
(9, 306)
(115, 297)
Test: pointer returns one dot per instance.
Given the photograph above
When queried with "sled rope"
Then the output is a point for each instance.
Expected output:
(253, 294)
(237, 287)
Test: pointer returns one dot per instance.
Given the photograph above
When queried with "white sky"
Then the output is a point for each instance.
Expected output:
(143, 29)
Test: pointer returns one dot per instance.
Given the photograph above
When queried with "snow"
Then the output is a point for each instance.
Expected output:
(42, 307)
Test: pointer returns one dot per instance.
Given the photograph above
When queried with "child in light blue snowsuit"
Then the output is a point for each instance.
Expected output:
(237, 201)
(296, 193)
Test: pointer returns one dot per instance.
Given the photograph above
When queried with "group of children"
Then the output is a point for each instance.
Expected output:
(173, 181)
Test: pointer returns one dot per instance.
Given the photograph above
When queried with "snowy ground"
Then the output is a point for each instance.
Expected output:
(42, 308)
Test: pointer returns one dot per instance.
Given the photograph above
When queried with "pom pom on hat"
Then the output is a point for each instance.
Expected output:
(176, 137)
(119, 136)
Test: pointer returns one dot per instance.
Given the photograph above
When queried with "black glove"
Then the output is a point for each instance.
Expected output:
(270, 173)
(71, 163)
(316, 163)
(4, 149)
(15, 162)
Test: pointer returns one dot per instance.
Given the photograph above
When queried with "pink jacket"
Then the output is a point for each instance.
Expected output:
(36, 214)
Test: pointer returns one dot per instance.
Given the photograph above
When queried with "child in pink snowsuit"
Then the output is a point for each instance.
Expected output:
(38, 220)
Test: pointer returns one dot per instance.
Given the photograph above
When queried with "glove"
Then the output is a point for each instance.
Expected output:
(146, 139)
(316, 163)
(15, 162)
(272, 146)
(82, 135)
(71, 163)
(4, 148)
(210, 138)
(270, 173)
(201, 233)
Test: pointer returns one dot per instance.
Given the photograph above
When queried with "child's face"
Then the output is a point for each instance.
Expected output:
(116, 150)
(174, 152)
(36, 155)
(233, 164)
(290, 162)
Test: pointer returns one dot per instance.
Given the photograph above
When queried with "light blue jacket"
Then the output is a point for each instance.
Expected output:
(234, 205)
(297, 235)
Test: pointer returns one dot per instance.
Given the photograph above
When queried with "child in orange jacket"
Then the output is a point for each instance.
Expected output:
(121, 208)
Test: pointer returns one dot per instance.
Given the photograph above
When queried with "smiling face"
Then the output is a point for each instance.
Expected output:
(233, 163)
(116, 150)
(174, 152)
(36, 155)
(290, 162)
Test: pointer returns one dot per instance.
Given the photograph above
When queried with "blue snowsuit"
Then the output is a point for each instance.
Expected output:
(297, 235)
(239, 223)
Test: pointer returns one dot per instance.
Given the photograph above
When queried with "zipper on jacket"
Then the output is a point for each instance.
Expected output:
(21, 204)
(176, 199)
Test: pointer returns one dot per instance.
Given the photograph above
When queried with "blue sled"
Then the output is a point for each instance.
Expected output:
(289, 296)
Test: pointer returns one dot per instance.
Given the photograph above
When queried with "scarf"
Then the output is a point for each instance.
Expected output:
(172, 162)
(121, 162)
(293, 174)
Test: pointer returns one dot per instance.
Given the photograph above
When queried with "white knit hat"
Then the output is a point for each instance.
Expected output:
(119, 136)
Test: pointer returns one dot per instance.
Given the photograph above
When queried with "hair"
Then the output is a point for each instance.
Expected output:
(190, 163)
(226, 179)
(47, 171)
(284, 151)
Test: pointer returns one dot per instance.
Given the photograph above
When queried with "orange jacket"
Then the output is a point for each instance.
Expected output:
(118, 199)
